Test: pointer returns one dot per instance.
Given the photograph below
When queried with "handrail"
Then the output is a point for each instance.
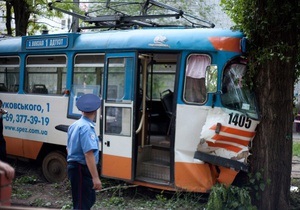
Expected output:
(144, 82)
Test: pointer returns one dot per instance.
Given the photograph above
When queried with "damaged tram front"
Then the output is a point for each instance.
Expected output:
(227, 134)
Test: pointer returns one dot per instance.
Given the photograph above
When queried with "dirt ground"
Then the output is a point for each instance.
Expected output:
(31, 189)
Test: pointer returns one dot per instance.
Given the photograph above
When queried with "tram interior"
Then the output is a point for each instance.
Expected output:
(154, 151)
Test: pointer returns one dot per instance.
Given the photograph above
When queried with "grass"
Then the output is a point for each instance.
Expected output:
(21, 193)
(296, 149)
(140, 199)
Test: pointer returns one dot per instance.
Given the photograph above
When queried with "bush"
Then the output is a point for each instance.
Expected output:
(229, 198)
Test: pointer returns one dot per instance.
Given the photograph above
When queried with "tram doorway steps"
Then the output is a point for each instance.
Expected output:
(156, 170)
(154, 164)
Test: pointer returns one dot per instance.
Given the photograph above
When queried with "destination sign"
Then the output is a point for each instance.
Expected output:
(51, 42)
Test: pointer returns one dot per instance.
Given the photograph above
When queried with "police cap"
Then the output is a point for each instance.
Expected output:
(88, 102)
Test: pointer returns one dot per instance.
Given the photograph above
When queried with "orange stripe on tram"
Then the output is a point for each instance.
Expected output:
(23, 147)
(116, 166)
(235, 131)
(230, 139)
(226, 43)
(193, 176)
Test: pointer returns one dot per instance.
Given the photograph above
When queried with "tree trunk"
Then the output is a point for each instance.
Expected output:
(272, 146)
(22, 14)
(8, 18)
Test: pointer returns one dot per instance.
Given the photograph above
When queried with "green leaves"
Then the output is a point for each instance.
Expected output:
(232, 197)
(264, 23)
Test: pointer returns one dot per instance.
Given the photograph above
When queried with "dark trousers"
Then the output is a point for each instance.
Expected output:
(2, 148)
(83, 194)
(2, 143)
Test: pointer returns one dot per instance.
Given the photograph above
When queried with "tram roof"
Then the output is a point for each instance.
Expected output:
(10, 44)
(142, 39)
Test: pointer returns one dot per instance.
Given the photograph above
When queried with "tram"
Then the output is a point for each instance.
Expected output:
(175, 114)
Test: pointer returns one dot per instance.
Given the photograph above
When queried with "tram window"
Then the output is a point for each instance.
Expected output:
(89, 59)
(116, 77)
(162, 77)
(118, 120)
(84, 76)
(46, 74)
(9, 74)
(232, 86)
(88, 69)
(195, 88)
(235, 94)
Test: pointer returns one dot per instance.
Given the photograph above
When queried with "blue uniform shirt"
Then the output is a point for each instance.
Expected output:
(81, 139)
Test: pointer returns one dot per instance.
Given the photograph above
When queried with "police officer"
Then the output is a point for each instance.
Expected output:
(2, 140)
(83, 154)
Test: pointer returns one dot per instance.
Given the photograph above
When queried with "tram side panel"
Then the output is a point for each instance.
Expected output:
(29, 126)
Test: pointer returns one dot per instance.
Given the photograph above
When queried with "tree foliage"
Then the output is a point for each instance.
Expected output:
(275, 18)
(25, 14)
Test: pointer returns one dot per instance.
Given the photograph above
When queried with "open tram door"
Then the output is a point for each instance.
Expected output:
(118, 112)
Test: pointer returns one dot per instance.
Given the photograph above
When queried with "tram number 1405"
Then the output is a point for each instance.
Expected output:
(239, 120)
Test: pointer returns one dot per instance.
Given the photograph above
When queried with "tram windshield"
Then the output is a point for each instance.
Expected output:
(236, 95)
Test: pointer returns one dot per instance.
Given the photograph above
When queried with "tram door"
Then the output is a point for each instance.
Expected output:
(118, 115)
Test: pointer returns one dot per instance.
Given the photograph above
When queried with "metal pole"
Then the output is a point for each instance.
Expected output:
(75, 20)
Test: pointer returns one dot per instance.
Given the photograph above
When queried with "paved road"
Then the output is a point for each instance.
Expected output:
(296, 137)
(296, 167)
(296, 160)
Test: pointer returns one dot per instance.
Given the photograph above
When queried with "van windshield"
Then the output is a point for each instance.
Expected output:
(235, 95)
